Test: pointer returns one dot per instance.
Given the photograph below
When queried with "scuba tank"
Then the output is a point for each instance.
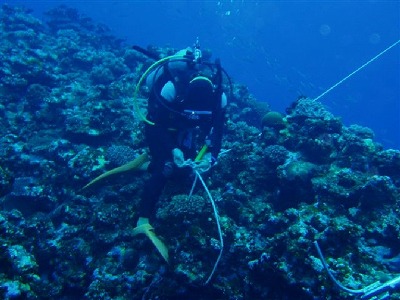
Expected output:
(193, 59)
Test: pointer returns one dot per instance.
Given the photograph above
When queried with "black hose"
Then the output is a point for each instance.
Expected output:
(146, 52)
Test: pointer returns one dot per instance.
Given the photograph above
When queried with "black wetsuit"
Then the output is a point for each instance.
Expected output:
(173, 129)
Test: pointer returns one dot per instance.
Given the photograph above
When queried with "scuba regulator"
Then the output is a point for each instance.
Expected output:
(197, 51)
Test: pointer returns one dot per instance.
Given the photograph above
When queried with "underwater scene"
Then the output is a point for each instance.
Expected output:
(282, 180)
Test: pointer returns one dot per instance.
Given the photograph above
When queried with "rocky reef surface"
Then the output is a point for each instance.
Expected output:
(66, 116)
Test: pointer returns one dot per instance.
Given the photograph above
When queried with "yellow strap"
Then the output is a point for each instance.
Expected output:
(201, 153)
(202, 78)
(150, 69)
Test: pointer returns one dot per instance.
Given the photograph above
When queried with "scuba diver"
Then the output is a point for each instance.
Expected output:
(183, 127)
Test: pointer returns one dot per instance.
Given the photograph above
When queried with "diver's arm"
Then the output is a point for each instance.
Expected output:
(218, 129)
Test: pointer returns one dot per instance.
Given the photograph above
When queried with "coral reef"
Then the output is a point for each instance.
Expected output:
(282, 182)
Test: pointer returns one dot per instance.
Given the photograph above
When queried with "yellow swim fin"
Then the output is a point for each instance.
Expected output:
(139, 163)
(148, 230)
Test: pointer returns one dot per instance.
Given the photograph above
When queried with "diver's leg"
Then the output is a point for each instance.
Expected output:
(151, 193)
(158, 140)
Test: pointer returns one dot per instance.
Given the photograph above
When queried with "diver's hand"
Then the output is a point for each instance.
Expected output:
(178, 157)
(204, 164)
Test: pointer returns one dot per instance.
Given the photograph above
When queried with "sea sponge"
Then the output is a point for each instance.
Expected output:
(182, 206)
(274, 119)
(299, 171)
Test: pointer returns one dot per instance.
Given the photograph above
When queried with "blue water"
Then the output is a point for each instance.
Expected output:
(279, 49)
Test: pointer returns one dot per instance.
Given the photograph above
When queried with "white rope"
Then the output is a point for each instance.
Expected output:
(218, 225)
(193, 164)
(193, 186)
(354, 72)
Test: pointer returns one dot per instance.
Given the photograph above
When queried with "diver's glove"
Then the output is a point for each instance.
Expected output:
(178, 157)
(204, 164)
